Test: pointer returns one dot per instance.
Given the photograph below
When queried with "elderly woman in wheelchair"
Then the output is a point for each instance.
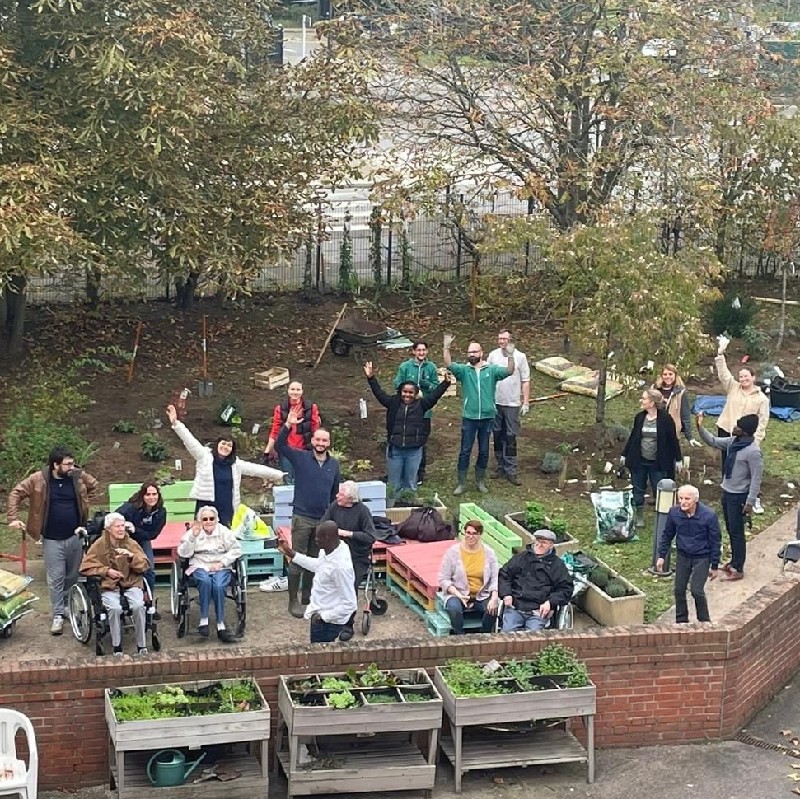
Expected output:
(117, 563)
(213, 553)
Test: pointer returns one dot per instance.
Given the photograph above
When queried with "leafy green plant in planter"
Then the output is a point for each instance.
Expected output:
(471, 679)
(600, 576)
(341, 700)
(380, 699)
(534, 515)
(153, 448)
(559, 659)
(413, 696)
(616, 588)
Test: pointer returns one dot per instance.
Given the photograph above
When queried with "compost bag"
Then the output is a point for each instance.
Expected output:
(425, 525)
(613, 513)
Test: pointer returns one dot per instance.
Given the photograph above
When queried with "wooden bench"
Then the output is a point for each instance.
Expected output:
(176, 498)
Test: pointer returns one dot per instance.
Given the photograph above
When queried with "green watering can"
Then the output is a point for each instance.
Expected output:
(171, 768)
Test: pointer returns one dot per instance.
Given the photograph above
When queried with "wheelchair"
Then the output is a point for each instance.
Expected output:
(87, 616)
(562, 617)
(372, 603)
(181, 600)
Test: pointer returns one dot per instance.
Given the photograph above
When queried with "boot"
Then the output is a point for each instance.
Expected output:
(462, 478)
(480, 479)
(295, 608)
(308, 580)
(639, 517)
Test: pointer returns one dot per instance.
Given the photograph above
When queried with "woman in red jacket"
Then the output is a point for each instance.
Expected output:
(300, 434)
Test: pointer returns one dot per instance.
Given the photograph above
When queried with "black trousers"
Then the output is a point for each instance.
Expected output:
(691, 572)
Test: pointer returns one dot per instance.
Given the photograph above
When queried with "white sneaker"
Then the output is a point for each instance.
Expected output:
(758, 507)
(57, 627)
(274, 584)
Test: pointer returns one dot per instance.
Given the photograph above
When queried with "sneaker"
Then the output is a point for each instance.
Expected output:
(274, 584)
(57, 627)
(118, 652)
(142, 650)
(203, 630)
(758, 507)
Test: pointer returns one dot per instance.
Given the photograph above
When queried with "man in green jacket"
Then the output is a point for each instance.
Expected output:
(422, 372)
(478, 382)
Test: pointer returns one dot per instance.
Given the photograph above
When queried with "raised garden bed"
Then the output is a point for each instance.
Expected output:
(525, 522)
(144, 718)
(612, 611)
(511, 692)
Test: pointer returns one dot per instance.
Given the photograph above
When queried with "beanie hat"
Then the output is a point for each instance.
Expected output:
(748, 424)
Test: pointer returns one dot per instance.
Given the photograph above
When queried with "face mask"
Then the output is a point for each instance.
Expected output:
(473, 359)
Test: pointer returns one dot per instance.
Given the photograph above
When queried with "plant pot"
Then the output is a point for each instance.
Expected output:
(516, 522)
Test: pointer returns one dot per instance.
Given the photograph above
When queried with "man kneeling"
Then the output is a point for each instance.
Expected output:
(333, 595)
(533, 584)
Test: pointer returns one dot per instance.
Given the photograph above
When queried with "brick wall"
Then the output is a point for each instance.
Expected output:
(655, 684)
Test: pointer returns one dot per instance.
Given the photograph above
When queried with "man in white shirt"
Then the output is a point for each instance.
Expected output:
(509, 407)
(333, 595)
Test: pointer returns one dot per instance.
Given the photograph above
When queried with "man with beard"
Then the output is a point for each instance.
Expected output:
(58, 503)
(478, 382)
(316, 483)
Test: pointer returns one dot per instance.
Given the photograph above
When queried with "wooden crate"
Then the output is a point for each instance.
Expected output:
(372, 493)
(272, 378)
(190, 731)
(514, 521)
(180, 508)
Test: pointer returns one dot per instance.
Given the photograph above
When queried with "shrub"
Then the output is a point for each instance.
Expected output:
(153, 448)
(724, 317)
(552, 463)
(124, 426)
(534, 516)
(600, 576)
(616, 588)
(757, 342)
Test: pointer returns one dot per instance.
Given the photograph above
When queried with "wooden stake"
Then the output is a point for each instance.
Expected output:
(205, 347)
(546, 397)
(330, 336)
(135, 350)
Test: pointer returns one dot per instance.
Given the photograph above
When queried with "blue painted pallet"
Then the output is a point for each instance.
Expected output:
(438, 624)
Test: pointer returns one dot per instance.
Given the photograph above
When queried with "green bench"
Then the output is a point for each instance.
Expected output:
(176, 498)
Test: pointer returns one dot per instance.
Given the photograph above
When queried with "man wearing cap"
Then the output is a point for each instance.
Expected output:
(741, 482)
(695, 528)
(533, 584)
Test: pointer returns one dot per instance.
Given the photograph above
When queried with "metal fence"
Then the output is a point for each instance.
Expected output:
(437, 252)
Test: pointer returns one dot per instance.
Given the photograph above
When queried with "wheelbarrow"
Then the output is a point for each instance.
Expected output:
(343, 340)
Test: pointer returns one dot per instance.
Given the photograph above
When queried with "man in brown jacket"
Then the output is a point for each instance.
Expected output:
(58, 502)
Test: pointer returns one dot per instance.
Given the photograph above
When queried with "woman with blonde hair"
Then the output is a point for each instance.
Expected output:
(676, 401)
(652, 450)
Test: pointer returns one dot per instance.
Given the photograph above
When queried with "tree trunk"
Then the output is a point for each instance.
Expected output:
(782, 319)
(184, 291)
(15, 321)
(93, 282)
(600, 407)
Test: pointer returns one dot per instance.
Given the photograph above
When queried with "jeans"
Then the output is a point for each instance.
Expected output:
(285, 465)
(112, 602)
(149, 575)
(456, 611)
(470, 428)
(506, 430)
(691, 571)
(62, 559)
(402, 467)
(732, 506)
(646, 470)
(325, 632)
(530, 620)
(212, 585)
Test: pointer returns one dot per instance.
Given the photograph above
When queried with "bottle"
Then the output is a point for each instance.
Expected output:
(362, 408)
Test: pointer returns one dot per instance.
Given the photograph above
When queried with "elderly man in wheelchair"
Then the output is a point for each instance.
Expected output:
(209, 556)
(114, 594)
(535, 587)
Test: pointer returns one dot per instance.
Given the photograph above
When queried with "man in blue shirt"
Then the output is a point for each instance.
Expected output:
(316, 483)
(698, 540)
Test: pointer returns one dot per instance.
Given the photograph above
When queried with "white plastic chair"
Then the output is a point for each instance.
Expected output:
(15, 778)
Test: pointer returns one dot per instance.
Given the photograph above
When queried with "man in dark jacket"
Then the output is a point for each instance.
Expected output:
(316, 483)
(533, 584)
(698, 539)
(58, 503)
(406, 428)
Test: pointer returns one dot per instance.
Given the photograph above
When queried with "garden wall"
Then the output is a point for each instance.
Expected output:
(655, 684)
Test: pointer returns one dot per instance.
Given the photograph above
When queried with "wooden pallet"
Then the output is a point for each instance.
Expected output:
(419, 564)
(267, 563)
(419, 593)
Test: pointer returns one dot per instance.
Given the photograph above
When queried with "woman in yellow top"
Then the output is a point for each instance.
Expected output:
(468, 579)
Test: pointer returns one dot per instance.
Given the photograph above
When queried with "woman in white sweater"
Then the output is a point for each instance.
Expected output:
(218, 472)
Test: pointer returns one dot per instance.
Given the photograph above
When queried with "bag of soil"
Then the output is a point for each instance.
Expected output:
(613, 513)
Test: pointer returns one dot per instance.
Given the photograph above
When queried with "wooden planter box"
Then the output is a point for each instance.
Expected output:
(481, 710)
(516, 522)
(134, 742)
(618, 612)
(386, 717)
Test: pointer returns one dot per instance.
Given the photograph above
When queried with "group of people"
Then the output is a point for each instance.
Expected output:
(332, 531)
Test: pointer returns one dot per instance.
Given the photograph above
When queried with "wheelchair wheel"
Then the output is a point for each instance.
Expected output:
(378, 606)
(174, 590)
(80, 612)
(155, 642)
(183, 623)
(366, 622)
